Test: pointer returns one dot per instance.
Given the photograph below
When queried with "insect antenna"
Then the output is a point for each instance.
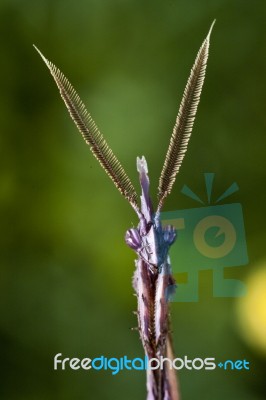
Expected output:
(92, 135)
(184, 122)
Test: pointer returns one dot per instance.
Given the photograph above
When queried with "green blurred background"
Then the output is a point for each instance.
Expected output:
(65, 269)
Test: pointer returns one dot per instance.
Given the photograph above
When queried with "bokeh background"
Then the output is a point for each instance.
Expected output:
(65, 269)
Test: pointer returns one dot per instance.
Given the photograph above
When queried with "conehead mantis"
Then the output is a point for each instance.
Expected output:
(152, 281)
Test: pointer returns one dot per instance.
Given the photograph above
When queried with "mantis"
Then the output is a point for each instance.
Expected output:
(152, 280)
